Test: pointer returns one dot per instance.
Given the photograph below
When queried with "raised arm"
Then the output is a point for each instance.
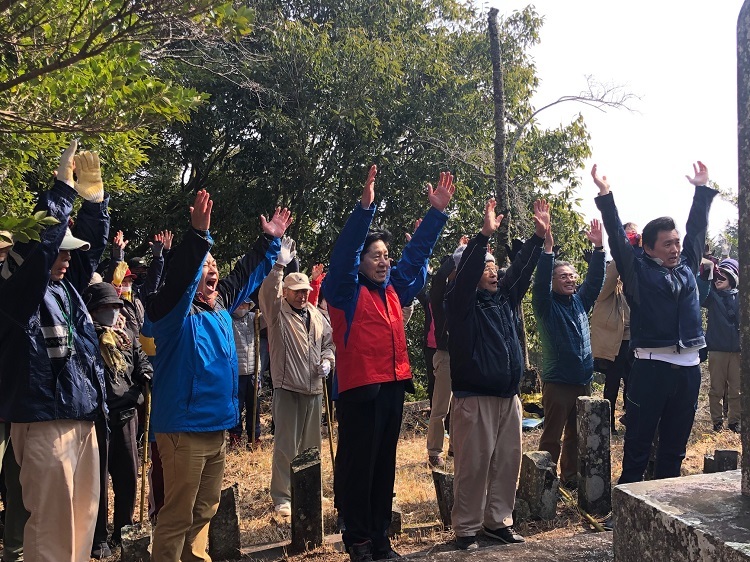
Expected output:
(592, 285)
(517, 278)
(541, 292)
(697, 223)
(271, 292)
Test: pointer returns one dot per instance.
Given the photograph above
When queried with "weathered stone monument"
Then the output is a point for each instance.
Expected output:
(594, 464)
(307, 501)
(538, 487)
(444, 490)
(136, 543)
(224, 531)
(721, 461)
(706, 516)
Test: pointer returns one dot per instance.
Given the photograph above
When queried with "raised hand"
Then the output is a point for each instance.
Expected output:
(416, 226)
(167, 238)
(368, 191)
(278, 224)
(67, 165)
(491, 220)
(441, 196)
(601, 182)
(701, 174)
(317, 271)
(549, 241)
(287, 252)
(463, 240)
(200, 212)
(119, 240)
(595, 234)
(541, 217)
(89, 176)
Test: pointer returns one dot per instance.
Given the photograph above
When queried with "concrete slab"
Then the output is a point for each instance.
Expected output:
(689, 519)
(591, 547)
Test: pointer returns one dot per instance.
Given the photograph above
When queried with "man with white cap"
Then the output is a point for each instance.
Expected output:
(301, 348)
(51, 377)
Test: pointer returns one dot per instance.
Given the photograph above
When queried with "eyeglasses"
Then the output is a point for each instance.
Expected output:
(567, 276)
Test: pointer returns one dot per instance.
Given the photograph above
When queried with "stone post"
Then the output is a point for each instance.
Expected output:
(721, 461)
(136, 543)
(594, 465)
(444, 491)
(307, 501)
(224, 531)
(538, 485)
(743, 161)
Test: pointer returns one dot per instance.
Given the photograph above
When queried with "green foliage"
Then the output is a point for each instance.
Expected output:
(27, 228)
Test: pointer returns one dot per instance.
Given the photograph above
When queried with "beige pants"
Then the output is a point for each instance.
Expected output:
(193, 465)
(724, 368)
(487, 456)
(296, 419)
(441, 400)
(59, 463)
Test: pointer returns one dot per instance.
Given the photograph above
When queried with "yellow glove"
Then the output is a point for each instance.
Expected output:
(89, 174)
(119, 273)
(65, 171)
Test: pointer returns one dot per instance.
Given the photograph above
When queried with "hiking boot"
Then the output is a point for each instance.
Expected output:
(389, 554)
(361, 552)
(467, 543)
(734, 427)
(283, 509)
(506, 535)
(718, 426)
(436, 461)
(100, 550)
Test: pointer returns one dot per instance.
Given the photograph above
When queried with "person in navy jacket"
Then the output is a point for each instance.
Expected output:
(365, 296)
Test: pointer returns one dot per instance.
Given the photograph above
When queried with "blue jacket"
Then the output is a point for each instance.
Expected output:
(664, 307)
(195, 367)
(563, 322)
(485, 352)
(50, 366)
(723, 329)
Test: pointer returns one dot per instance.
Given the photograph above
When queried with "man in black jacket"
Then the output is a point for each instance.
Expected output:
(666, 331)
(486, 364)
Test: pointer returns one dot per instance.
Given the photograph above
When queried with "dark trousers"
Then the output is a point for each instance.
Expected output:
(155, 483)
(118, 456)
(429, 353)
(245, 391)
(616, 371)
(664, 396)
(366, 464)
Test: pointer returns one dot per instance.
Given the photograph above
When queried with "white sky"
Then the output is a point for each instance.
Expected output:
(679, 57)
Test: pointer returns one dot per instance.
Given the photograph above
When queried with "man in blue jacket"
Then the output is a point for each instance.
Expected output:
(51, 376)
(666, 331)
(195, 376)
(561, 310)
(486, 363)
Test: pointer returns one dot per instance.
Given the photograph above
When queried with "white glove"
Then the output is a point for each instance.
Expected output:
(65, 171)
(324, 368)
(287, 252)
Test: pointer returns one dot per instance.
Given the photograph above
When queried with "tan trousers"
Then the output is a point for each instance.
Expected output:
(441, 400)
(559, 403)
(59, 463)
(487, 458)
(193, 465)
(296, 419)
(724, 368)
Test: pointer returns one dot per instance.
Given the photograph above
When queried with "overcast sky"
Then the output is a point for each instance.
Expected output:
(679, 57)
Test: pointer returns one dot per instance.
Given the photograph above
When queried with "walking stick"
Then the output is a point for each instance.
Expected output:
(256, 382)
(330, 425)
(146, 445)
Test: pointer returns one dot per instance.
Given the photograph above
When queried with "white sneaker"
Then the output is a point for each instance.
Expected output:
(283, 509)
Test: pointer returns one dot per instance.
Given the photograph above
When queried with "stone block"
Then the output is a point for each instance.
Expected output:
(396, 525)
(538, 485)
(721, 461)
(444, 491)
(307, 501)
(224, 530)
(594, 463)
(136, 543)
(694, 518)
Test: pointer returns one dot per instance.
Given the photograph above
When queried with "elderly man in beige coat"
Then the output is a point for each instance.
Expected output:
(301, 349)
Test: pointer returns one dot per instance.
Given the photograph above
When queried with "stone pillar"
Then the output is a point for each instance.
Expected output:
(721, 461)
(743, 160)
(307, 501)
(594, 466)
(444, 492)
(136, 543)
(538, 485)
(224, 531)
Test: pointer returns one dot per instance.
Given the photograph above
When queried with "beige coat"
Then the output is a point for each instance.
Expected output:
(295, 352)
(610, 321)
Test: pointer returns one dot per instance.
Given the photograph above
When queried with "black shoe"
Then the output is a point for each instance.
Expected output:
(718, 426)
(361, 552)
(607, 524)
(467, 543)
(507, 535)
(734, 427)
(389, 554)
(100, 550)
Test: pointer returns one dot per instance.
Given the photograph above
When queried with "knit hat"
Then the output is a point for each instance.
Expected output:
(731, 268)
(99, 294)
